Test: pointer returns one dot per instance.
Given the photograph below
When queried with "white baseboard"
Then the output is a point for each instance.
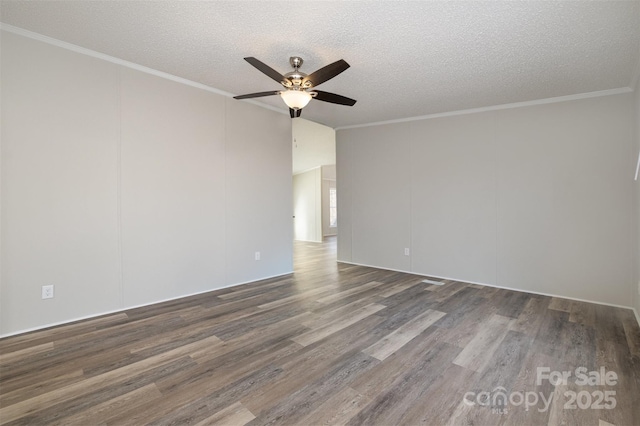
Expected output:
(28, 330)
(115, 311)
(497, 286)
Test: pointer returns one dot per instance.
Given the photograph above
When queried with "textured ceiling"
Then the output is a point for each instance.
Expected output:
(407, 58)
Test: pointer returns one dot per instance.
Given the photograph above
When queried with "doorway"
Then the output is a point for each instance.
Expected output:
(314, 181)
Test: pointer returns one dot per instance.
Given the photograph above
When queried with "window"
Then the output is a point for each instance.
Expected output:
(333, 208)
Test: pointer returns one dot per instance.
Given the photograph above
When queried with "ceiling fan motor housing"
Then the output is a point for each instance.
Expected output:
(297, 83)
(296, 79)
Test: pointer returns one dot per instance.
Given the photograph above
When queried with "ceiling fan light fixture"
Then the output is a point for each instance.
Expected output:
(296, 99)
(300, 87)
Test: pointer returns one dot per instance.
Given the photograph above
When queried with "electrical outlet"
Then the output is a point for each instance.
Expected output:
(47, 291)
(257, 256)
(407, 252)
(638, 287)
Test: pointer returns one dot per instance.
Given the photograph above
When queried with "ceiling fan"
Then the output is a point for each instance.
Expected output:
(297, 84)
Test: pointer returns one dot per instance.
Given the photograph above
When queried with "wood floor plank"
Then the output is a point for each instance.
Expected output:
(234, 415)
(311, 363)
(165, 341)
(43, 386)
(506, 362)
(526, 381)
(21, 354)
(500, 373)
(582, 313)
(582, 349)
(264, 319)
(408, 389)
(404, 334)
(33, 338)
(410, 297)
(465, 297)
(26, 407)
(513, 304)
(197, 402)
(464, 324)
(559, 415)
(346, 293)
(255, 289)
(332, 343)
(470, 309)
(295, 298)
(617, 357)
(445, 393)
(338, 409)
(440, 294)
(231, 372)
(558, 304)
(631, 331)
(378, 380)
(395, 289)
(345, 321)
(92, 348)
(549, 337)
(323, 314)
(489, 292)
(225, 369)
(53, 411)
(102, 412)
(530, 318)
(300, 403)
(477, 354)
(282, 330)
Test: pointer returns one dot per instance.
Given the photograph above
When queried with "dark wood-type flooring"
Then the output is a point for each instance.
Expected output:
(330, 344)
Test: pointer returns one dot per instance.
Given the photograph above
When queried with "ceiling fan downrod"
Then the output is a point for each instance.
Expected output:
(297, 83)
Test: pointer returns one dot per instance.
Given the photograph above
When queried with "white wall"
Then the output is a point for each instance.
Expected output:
(122, 188)
(307, 205)
(636, 291)
(328, 182)
(60, 117)
(380, 195)
(453, 201)
(534, 198)
(314, 145)
(258, 192)
(172, 162)
(345, 140)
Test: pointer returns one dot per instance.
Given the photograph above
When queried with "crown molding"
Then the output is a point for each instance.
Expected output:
(88, 52)
(497, 107)
(127, 64)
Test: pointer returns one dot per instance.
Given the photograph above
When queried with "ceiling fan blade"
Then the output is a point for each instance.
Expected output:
(265, 69)
(325, 73)
(257, 95)
(298, 113)
(333, 98)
